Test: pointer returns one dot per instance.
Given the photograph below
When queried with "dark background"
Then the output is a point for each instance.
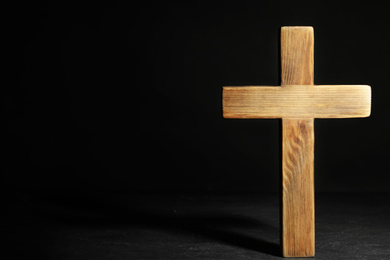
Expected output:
(127, 96)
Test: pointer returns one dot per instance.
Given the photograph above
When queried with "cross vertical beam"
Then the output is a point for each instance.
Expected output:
(297, 211)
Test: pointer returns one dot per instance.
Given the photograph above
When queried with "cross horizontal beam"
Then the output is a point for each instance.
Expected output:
(297, 101)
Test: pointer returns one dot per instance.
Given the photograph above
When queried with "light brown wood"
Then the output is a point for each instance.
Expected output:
(297, 211)
(297, 101)
(297, 55)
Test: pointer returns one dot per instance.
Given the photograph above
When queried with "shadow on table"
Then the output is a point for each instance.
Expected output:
(92, 212)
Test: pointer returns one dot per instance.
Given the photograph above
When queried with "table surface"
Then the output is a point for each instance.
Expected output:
(73, 225)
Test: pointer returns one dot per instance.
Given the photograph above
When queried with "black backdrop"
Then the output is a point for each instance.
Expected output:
(127, 96)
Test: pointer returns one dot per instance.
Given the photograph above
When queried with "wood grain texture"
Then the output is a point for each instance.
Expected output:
(298, 188)
(297, 101)
(297, 212)
(297, 55)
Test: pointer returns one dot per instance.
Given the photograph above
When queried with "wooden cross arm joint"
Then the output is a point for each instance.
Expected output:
(297, 101)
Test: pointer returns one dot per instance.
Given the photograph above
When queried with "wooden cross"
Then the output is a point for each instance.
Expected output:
(297, 102)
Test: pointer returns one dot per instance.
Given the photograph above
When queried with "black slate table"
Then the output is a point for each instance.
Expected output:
(112, 225)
